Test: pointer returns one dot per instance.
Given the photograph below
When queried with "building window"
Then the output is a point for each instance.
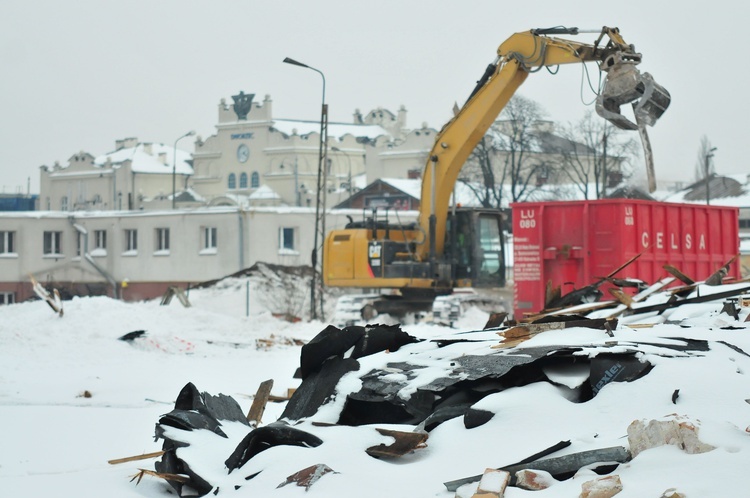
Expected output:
(131, 241)
(232, 182)
(286, 240)
(7, 298)
(79, 244)
(53, 243)
(7, 242)
(243, 180)
(64, 203)
(209, 238)
(100, 243)
(100, 239)
(162, 240)
(255, 180)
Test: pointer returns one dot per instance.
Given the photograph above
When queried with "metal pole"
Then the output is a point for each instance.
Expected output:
(709, 155)
(174, 165)
(320, 198)
(349, 163)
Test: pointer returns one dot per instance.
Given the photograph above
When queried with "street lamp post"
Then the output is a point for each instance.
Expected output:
(320, 198)
(349, 163)
(709, 155)
(174, 165)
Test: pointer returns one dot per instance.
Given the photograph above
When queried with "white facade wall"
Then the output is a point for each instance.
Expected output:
(243, 238)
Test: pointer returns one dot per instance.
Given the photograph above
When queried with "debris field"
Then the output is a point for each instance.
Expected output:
(592, 400)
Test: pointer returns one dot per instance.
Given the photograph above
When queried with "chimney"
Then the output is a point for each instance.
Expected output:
(148, 148)
(358, 117)
(130, 142)
(401, 118)
(119, 144)
(163, 157)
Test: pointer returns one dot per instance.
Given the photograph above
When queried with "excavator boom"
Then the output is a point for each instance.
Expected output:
(517, 57)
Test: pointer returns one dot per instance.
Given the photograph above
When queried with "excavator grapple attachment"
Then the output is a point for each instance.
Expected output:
(626, 85)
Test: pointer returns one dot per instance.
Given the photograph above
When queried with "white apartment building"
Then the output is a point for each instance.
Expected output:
(138, 254)
(135, 175)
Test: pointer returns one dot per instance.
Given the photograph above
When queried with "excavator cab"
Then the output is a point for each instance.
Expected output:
(474, 248)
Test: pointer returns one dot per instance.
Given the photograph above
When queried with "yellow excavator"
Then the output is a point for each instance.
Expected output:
(451, 247)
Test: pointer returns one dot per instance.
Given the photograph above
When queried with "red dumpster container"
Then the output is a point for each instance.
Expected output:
(571, 243)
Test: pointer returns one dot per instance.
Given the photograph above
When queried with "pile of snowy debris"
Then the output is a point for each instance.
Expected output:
(282, 290)
(648, 404)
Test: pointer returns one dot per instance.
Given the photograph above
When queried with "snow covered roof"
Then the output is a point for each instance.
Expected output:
(289, 126)
(725, 190)
(413, 187)
(149, 158)
(264, 192)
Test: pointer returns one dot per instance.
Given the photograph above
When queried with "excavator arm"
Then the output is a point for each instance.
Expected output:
(519, 55)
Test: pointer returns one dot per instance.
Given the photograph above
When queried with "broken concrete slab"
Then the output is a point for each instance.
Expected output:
(493, 484)
(534, 480)
(603, 487)
(675, 430)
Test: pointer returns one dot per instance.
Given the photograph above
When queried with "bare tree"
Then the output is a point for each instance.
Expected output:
(522, 117)
(704, 166)
(507, 155)
(593, 153)
(483, 172)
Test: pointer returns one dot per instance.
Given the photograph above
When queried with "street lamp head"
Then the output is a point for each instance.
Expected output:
(289, 60)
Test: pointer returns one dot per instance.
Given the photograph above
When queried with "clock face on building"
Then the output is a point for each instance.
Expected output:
(243, 153)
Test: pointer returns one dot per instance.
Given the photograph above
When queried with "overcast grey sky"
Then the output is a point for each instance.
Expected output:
(79, 75)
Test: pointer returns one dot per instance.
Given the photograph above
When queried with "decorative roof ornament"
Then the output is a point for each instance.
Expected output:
(242, 104)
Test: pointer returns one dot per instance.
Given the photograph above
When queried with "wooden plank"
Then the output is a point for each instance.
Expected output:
(619, 310)
(162, 475)
(145, 456)
(520, 333)
(680, 276)
(259, 403)
(624, 265)
(622, 297)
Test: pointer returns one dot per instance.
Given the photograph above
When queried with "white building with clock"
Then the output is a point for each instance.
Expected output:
(254, 159)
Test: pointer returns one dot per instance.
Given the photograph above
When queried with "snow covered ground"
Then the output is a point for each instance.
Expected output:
(73, 396)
